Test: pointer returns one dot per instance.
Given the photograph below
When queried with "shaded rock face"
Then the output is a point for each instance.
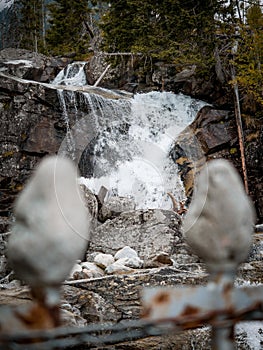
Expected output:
(186, 81)
(213, 134)
(31, 127)
(160, 76)
(30, 65)
(32, 118)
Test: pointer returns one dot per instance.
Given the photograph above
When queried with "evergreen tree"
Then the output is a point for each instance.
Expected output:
(175, 31)
(69, 29)
(249, 58)
(32, 24)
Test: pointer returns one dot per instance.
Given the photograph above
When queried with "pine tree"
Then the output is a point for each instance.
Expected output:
(69, 30)
(31, 24)
(176, 31)
(249, 57)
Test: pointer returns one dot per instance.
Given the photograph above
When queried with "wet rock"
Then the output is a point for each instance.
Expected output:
(148, 232)
(114, 206)
(211, 131)
(213, 135)
(29, 117)
(214, 129)
(34, 124)
(30, 65)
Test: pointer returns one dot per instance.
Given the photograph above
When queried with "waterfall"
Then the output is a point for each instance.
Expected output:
(123, 143)
(73, 74)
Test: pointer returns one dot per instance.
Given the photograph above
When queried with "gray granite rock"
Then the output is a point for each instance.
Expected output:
(114, 206)
(148, 232)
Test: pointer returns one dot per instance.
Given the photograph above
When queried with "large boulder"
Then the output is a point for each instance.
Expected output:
(213, 134)
(149, 232)
(30, 65)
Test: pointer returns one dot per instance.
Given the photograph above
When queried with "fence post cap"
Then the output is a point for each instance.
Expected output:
(220, 220)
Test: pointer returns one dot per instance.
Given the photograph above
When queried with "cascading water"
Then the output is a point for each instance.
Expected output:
(73, 74)
(127, 142)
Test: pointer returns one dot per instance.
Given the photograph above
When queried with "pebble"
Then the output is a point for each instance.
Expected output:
(103, 260)
(117, 267)
(125, 252)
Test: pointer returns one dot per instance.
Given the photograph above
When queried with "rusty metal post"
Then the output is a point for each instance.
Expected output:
(222, 338)
(222, 279)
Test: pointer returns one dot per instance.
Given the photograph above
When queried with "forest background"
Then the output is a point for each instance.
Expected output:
(208, 34)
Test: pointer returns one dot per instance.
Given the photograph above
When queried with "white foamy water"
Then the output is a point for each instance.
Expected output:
(129, 140)
(146, 173)
(73, 74)
(5, 4)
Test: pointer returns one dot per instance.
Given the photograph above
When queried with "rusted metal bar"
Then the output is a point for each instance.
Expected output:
(91, 336)
(190, 307)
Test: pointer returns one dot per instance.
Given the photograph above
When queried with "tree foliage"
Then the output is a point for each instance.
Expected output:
(249, 58)
(69, 29)
(172, 30)
(31, 26)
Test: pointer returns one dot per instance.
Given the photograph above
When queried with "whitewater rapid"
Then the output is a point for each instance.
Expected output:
(133, 137)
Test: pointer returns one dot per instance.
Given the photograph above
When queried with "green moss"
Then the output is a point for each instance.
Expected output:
(23, 137)
(233, 150)
(6, 105)
(7, 154)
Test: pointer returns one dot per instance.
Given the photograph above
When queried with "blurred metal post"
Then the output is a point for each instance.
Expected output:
(218, 226)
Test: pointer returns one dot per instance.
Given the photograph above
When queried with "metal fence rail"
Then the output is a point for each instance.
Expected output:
(164, 322)
(90, 336)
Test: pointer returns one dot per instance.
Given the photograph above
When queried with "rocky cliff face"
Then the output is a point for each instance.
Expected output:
(32, 123)
(213, 134)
